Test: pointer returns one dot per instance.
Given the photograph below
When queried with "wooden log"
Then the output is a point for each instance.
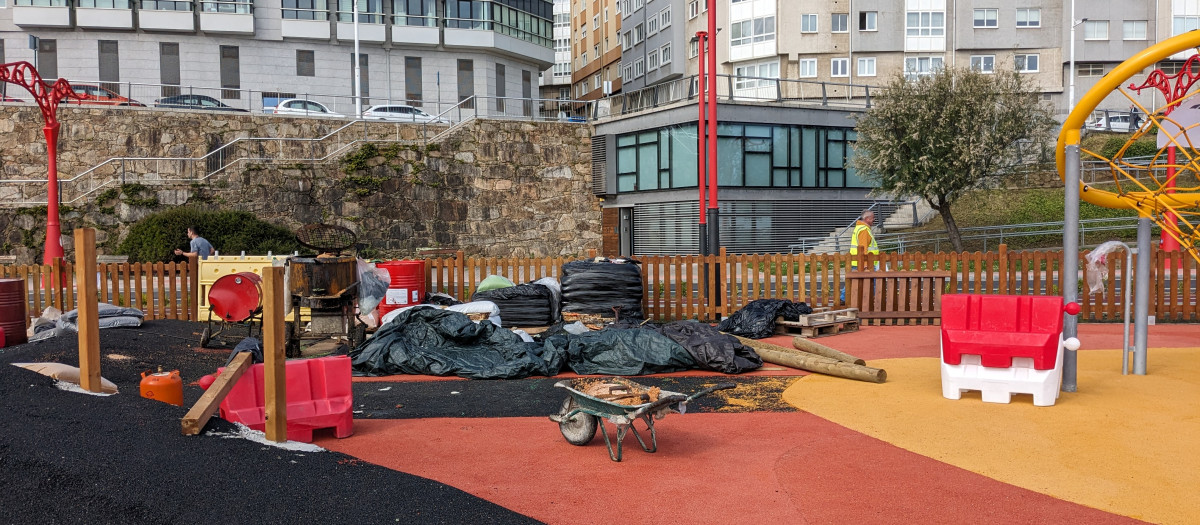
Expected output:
(814, 363)
(274, 359)
(89, 305)
(195, 419)
(804, 345)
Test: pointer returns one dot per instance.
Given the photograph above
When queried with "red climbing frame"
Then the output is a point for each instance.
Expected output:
(47, 97)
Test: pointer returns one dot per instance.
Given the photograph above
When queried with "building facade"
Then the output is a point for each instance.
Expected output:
(433, 53)
(556, 82)
(596, 49)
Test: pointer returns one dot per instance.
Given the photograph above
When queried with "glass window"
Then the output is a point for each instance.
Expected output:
(925, 23)
(839, 22)
(1183, 24)
(1095, 30)
(808, 23)
(306, 64)
(665, 53)
(986, 18)
(921, 66)
(1029, 17)
(866, 66)
(305, 10)
(839, 67)
(1134, 30)
(808, 67)
(1027, 63)
(983, 63)
(867, 21)
(1090, 70)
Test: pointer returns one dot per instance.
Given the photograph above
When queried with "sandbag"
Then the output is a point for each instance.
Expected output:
(522, 305)
(68, 373)
(591, 287)
(757, 319)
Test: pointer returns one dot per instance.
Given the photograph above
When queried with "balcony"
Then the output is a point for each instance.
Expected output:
(310, 29)
(221, 16)
(166, 15)
(103, 18)
(479, 34)
(415, 30)
(41, 13)
(366, 32)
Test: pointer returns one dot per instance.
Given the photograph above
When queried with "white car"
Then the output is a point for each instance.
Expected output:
(1120, 123)
(299, 106)
(402, 113)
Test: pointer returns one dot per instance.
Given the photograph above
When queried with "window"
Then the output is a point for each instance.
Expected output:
(839, 23)
(1183, 24)
(756, 75)
(1027, 63)
(47, 58)
(1134, 30)
(1095, 30)
(466, 81)
(925, 23)
(231, 75)
(1029, 17)
(583, 59)
(985, 18)
(110, 66)
(1090, 70)
(596, 51)
(808, 67)
(839, 67)
(168, 68)
(921, 66)
(364, 85)
(312, 10)
(866, 66)
(627, 41)
(664, 17)
(596, 81)
(639, 68)
(867, 21)
(664, 53)
(808, 23)
(651, 25)
(527, 92)
(983, 63)
(500, 90)
(412, 81)
(749, 31)
(652, 60)
(639, 34)
(694, 48)
(605, 14)
(306, 64)
(595, 22)
(693, 9)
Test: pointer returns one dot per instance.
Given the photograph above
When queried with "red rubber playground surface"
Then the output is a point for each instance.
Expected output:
(850, 454)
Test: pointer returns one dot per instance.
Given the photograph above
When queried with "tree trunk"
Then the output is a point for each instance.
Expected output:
(951, 227)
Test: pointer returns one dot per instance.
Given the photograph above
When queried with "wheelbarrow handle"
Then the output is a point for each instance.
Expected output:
(711, 389)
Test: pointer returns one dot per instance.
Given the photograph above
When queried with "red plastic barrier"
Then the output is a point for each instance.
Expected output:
(1000, 327)
(318, 396)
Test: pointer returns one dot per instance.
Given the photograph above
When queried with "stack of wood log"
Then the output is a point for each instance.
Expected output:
(816, 357)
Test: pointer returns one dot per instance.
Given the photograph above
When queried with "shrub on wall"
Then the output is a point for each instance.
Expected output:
(156, 237)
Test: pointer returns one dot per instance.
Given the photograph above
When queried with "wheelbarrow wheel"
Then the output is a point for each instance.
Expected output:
(205, 337)
(578, 429)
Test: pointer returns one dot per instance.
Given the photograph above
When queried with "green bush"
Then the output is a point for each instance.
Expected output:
(156, 237)
(1140, 148)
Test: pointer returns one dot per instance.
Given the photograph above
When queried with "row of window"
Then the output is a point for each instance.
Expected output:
(653, 24)
(654, 59)
(748, 155)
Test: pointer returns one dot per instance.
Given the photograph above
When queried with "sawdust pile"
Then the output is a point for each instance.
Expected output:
(621, 393)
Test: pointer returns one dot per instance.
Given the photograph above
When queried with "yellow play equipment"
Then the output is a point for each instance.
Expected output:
(1155, 188)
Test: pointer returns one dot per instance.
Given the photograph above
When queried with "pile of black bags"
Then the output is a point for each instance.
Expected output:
(590, 287)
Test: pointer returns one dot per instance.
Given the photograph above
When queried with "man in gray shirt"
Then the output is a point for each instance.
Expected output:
(200, 247)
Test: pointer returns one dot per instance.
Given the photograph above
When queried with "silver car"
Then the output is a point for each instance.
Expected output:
(1120, 123)
(299, 106)
(401, 113)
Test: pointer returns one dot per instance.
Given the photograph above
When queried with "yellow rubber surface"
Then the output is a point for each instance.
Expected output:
(1129, 445)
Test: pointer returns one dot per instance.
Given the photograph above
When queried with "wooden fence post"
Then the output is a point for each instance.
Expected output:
(723, 271)
(89, 321)
(275, 369)
(193, 265)
(1003, 270)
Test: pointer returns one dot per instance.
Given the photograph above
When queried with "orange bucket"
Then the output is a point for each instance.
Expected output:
(163, 386)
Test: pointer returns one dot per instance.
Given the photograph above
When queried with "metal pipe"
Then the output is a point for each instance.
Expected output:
(1070, 268)
(1128, 291)
(1141, 302)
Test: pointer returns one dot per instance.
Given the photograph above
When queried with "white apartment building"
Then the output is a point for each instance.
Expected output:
(429, 52)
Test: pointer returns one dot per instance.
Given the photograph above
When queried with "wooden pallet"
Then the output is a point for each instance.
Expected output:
(823, 316)
(822, 322)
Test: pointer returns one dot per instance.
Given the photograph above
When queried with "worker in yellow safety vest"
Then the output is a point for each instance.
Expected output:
(863, 238)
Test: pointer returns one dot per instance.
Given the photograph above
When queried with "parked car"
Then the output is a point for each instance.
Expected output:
(99, 96)
(299, 106)
(1121, 123)
(6, 98)
(194, 102)
(401, 113)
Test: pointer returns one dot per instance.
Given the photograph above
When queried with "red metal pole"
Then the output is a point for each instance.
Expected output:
(54, 248)
(1166, 242)
(713, 206)
(701, 129)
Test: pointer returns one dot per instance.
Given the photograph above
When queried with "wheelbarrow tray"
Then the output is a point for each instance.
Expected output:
(581, 413)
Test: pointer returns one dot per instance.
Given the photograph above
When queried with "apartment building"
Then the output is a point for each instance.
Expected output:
(596, 49)
(556, 82)
(429, 52)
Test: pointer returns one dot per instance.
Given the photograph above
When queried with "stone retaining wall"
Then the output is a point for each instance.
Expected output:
(492, 188)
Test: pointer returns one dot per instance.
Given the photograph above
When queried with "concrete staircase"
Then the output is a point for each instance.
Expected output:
(903, 218)
(900, 217)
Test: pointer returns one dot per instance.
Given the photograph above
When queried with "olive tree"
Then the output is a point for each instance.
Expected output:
(939, 136)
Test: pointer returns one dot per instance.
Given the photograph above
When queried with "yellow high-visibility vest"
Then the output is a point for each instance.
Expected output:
(872, 248)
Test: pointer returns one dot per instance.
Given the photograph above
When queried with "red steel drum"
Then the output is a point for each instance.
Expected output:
(236, 297)
(407, 285)
(12, 311)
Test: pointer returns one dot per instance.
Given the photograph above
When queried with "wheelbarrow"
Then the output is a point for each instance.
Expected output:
(581, 413)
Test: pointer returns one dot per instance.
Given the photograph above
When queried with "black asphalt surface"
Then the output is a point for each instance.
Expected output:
(67, 457)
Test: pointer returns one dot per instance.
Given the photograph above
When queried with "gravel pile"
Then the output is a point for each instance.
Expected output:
(68, 457)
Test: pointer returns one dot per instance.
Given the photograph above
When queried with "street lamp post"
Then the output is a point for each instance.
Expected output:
(357, 65)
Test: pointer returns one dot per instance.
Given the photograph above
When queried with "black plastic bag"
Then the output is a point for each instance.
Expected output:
(710, 348)
(522, 305)
(757, 319)
(597, 287)
(621, 352)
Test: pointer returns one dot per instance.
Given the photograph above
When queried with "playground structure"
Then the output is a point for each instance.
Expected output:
(1164, 189)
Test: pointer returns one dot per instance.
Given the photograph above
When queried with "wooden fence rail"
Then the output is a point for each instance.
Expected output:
(687, 286)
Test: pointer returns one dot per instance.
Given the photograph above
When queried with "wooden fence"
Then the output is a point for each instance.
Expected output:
(688, 286)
